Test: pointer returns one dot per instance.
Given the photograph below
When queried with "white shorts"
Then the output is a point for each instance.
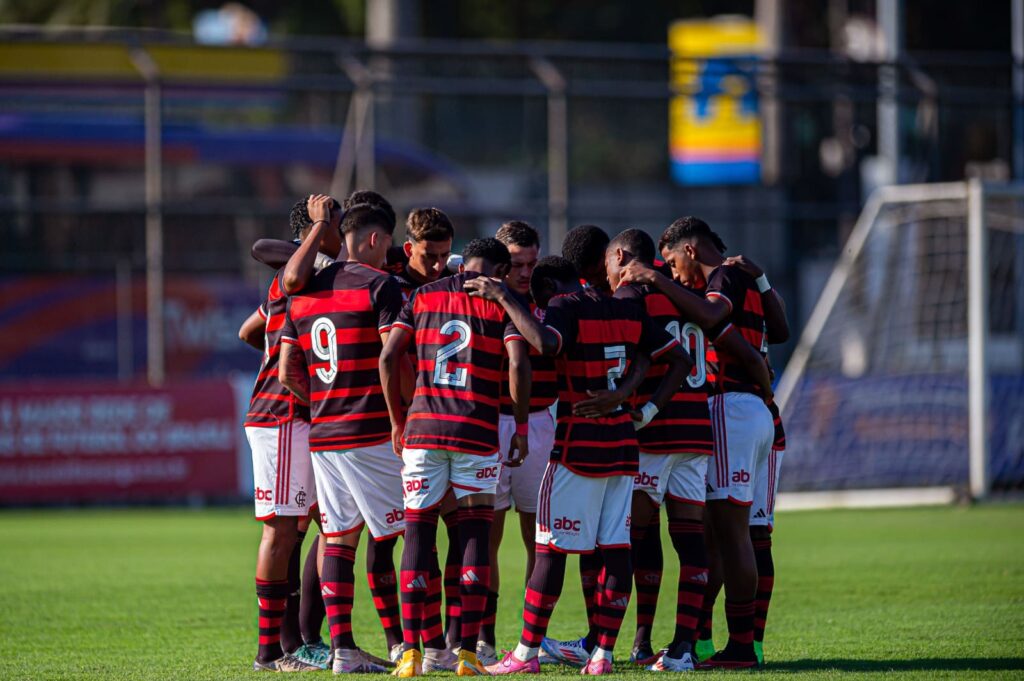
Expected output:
(577, 514)
(744, 433)
(281, 469)
(357, 487)
(766, 486)
(681, 477)
(520, 485)
(428, 473)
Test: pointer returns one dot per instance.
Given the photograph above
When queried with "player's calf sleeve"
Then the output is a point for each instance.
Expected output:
(739, 615)
(614, 596)
(415, 577)
(590, 571)
(291, 636)
(337, 584)
(765, 584)
(475, 579)
(688, 541)
(490, 618)
(380, 574)
(542, 593)
(648, 562)
(452, 570)
(271, 598)
(311, 605)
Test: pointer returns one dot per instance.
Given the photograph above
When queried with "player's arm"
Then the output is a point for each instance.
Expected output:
(391, 358)
(736, 346)
(679, 364)
(775, 322)
(542, 338)
(520, 383)
(273, 252)
(299, 268)
(705, 312)
(604, 402)
(252, 330)
(292, 371)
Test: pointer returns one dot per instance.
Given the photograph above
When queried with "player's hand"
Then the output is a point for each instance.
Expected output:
(319, 207)
(745, 264)
(638, 273)
(641, 417)
(518, 450)
(486, 288)
(601, 403)
(397, 434)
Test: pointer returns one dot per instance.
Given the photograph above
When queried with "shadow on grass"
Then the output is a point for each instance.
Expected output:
(924, 664)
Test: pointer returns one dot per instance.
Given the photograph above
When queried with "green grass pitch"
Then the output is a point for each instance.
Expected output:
(168, 594)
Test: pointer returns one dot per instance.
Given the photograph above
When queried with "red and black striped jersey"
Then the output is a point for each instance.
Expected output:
(599, 336)
(459, 350)
(779, 442)
(746, 315)
(684, 425)
(544, 385)
(271, 403)
(337, 320)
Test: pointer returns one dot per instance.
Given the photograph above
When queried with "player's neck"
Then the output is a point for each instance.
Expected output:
(709, 263)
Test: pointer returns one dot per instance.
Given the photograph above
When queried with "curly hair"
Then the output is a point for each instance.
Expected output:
(490, 249)
(687, 228)
(584, 246)
(299, 220)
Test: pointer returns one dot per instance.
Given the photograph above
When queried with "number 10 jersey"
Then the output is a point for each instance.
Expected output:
(337, 320)
(460, 343)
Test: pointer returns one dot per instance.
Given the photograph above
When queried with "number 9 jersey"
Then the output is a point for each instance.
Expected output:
(337, 321)
(459, 349)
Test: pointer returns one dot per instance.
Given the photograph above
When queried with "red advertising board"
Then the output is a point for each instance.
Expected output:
(74, 441)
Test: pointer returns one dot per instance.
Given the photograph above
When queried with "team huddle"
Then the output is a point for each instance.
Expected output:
(401, 386)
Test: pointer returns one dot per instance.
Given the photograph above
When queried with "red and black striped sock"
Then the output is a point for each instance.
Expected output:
(380, 574)
(740, 618)
(337, 584)
(613, 598)
(271, 598)
(475, 579)
(433, 625)
(311, 606)
(542, 593)
(705, 628)
(452, 570)
(648, 563)
(490, 618)
(765, 585)
(591, 566)
(291, 636)
(414, 579)
(688, 541)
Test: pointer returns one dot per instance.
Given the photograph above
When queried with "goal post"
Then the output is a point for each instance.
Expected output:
(889, 396)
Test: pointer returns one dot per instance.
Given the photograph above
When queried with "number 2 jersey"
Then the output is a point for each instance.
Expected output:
(460, 344)
(684, 425)
(599, 338)
(337, 321)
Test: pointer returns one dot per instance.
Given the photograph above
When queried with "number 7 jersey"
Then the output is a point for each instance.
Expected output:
(337, 321)
(460, 343)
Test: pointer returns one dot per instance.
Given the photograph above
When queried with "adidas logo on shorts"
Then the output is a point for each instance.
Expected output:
(760, 513)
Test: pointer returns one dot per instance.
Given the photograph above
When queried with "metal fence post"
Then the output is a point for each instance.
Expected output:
(558, 151)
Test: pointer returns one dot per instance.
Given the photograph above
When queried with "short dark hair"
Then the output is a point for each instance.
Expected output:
(299, 220)
(687, 228)
(636, 242)
(584, 246)
(518, 233)
(552, 267)
(369, 196)
(363, 215)
(429, 224)
(489, 248)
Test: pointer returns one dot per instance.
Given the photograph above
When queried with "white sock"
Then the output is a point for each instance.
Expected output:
(602, 654)
(524, 653)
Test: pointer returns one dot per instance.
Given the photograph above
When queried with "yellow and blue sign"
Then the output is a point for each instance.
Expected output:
(714, 126)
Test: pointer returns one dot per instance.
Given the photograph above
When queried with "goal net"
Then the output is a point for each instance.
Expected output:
(908, 379)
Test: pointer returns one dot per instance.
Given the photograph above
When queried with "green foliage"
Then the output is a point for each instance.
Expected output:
(168, 594)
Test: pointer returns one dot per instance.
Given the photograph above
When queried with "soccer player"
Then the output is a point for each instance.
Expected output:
(586, 494)
(424, 255)
(674, 451)
(520, 484)
(449, 437)
(333, 333)
(742, 424)
(584, 247)
(277, 427)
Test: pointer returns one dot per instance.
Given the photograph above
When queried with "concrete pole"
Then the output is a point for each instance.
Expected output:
(890, 22)
(558, 151)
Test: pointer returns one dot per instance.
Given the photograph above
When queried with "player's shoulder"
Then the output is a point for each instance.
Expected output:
(631, 291)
